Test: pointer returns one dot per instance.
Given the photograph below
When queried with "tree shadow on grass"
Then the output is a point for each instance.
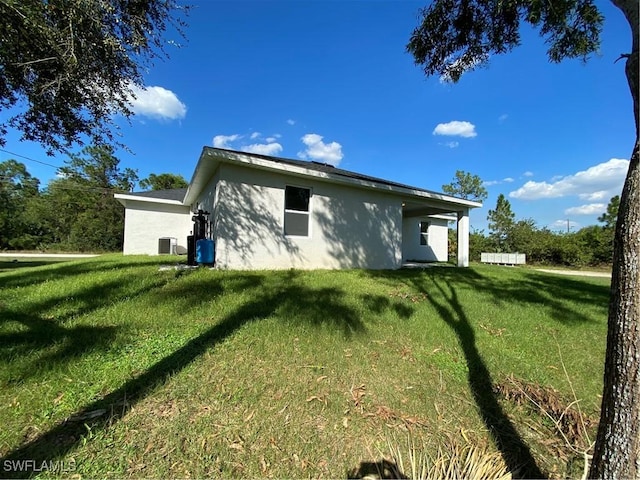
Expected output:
(13, 265)
(515, 453)
(561, 297)
(43, 339)
(24, 277)
(553, 292)
(287, 297)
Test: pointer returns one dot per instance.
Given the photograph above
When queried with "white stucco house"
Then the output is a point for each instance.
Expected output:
(275, 213)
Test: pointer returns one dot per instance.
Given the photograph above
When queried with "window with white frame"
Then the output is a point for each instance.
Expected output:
(424, 233)
(296, 211)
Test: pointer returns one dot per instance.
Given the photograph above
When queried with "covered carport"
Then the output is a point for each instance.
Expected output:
(444, 206)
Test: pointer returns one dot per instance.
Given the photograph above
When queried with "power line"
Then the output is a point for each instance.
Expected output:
(29, 158)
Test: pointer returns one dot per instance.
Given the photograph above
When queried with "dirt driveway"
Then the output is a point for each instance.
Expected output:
(576, 273)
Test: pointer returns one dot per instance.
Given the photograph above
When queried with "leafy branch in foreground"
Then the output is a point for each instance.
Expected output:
(68, 66)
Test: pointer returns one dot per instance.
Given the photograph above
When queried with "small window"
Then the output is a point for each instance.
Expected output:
(296, 211)
(424, 233)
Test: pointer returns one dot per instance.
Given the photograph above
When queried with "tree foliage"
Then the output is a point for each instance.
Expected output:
(71, 64)
(457, 36)
(501, 221)
(467, 186)
(78, 209)
(17, 189)
(610, 217)
(163, 181)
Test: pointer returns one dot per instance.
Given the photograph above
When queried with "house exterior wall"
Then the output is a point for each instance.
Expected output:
(348, 227)
(437, 248)
(145, 223)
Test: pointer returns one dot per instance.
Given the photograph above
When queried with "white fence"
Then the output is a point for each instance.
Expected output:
(504, 258)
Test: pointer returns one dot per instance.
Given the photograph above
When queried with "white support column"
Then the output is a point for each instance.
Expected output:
(463, 238)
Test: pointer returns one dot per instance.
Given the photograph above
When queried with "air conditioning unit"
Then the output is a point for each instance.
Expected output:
(167, 245)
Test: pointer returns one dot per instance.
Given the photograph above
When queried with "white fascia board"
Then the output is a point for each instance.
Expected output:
(123, 198)
(445, 216)
(206, 170)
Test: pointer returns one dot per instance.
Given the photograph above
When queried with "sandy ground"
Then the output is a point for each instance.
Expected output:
(577, 273)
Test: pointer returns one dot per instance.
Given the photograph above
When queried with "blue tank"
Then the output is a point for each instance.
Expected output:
(204, 251)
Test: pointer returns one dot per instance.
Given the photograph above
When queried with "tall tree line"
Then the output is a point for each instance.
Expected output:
(589, 246)
(76, 211)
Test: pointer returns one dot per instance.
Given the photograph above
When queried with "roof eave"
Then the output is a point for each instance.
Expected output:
(205, 170)
(123, 198)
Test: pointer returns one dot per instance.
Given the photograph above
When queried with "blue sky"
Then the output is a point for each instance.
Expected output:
(331, 81)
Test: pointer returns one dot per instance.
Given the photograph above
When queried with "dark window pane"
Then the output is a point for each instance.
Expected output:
(424, 233)
(296, 198)
(296, 224)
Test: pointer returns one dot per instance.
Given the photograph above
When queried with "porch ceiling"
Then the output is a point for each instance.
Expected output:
(419, 209)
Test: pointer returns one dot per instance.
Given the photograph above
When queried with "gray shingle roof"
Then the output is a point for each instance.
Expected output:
(326, 168)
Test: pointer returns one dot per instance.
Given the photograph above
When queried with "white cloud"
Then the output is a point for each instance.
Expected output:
(263, 148)
(597, 182)
(330, 153)
(589, 209)
(489, 183)
(223, 141)
(456, 128)
(291, 122)
(595, 196)
(451, 144)
(527, 174)
(503, 117)
(156, 102)
(234, 142)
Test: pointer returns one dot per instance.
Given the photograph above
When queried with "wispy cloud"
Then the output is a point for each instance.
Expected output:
(262, 148)
(318, 150)
(224, 141)
(527, 174)
(502, 118)
(451, 144)
(456, 128)
(235, 142)
(596, 183)
(157, 102)
(589, 209)
(489, 183)
(291, 122)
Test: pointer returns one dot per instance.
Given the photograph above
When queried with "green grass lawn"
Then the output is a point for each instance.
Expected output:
(113, 368)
